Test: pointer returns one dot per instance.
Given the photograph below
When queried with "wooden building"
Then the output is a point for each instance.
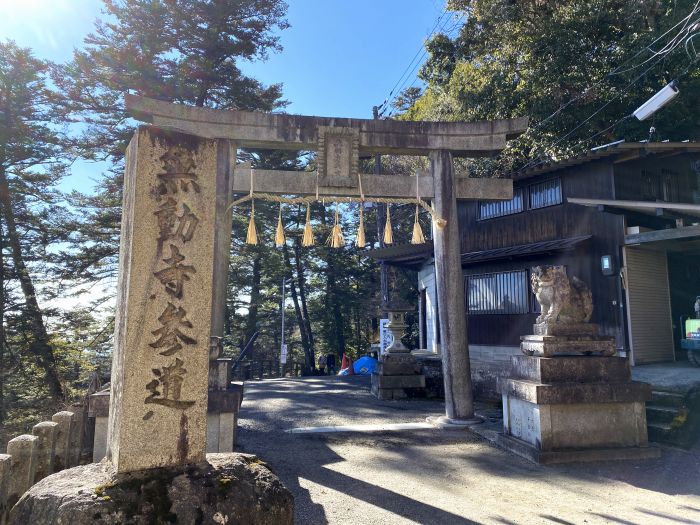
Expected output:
(624, 218)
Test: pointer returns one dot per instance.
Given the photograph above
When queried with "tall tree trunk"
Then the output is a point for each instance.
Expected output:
(252, 318)
(333, 299)
(3, 368)
(309, 358)
(302, 292)
(39, 346)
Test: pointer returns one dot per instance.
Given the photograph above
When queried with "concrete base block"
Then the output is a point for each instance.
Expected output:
(407, 381)
(550, 457)
(548, 346)
(390, 393)
(552, 427)
(574, 369)
(99, 447)
(600, 416)
(221, 432)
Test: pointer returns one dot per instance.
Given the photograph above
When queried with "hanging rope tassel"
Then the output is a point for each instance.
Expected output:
(279, 233)
(308, 238)
(252, 237)
(360, 241)
(335, 239)
(388, 235)
(418, 237)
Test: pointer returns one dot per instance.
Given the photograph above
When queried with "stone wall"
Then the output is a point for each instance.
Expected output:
(488, 363)
(52, 446)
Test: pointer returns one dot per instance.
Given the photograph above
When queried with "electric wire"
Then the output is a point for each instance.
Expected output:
(619, 71)
(421, 48)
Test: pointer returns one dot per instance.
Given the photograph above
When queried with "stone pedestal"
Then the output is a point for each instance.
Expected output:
(574, 408)
(397, 375)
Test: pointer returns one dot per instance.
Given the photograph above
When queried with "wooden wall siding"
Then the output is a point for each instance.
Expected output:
(562, 221)
(649, 306)
(494, 329)
(685, 184)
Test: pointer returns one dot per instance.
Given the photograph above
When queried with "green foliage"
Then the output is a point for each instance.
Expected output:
(535, 59)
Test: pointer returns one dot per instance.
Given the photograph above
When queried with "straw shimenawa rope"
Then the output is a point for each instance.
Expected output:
(360, 241)
(335, 239)
(270, 197)
(308, 238)
(388, 234)
(279, 232)
(252, 237)
(417, 237)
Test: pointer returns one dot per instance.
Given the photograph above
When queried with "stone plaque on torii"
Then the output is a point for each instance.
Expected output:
(176, 228)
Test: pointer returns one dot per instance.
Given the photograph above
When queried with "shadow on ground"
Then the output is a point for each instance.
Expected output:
(331, 474)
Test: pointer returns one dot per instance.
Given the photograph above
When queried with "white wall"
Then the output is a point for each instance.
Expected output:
(426, 281)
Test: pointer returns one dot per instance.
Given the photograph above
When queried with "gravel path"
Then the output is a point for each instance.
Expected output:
(435, 477)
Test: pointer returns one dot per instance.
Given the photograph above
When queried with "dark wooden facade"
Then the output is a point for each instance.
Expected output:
(671, 176)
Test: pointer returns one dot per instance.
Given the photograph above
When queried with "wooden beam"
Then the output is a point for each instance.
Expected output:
(297, 132)
(390, 186)
(687, 232)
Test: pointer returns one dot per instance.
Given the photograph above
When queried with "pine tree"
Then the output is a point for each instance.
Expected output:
(185, 51)
(32, 152)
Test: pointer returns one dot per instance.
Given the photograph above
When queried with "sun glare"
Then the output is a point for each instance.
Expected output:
(18, 10)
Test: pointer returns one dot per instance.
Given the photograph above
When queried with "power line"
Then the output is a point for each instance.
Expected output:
(658, 57)
(421, 48)
(415, 79)
(618, 70)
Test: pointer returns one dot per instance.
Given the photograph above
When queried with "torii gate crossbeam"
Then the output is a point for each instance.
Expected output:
(176, 234)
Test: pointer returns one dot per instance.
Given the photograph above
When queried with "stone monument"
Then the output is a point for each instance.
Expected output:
(397, 375)
(568, 398)
(165, 360)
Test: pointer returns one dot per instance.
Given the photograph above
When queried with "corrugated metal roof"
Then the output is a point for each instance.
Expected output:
(523, 250)
(616, 148)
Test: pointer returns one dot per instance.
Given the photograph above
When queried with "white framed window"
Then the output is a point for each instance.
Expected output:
(503, 293)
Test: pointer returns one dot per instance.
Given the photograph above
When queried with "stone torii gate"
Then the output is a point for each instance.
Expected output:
(175, 240)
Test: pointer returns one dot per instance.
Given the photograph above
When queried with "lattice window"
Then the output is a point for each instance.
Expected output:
(547, 193)
(491, 209)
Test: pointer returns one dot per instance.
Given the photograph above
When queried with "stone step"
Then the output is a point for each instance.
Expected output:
(661, 414)
(667, 399)
(659, 432)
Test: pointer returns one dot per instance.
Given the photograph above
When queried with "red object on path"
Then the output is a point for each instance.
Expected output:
(344, 363)
(351, 368)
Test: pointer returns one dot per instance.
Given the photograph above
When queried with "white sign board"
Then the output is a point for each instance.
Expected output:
(385, 337)
(283, 355)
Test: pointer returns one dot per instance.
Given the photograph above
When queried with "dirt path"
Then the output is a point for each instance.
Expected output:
(432, 476)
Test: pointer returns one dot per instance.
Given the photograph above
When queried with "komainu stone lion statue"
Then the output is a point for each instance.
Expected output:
(563, 300)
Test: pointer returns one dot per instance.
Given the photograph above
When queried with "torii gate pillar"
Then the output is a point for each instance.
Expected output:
(449, 280)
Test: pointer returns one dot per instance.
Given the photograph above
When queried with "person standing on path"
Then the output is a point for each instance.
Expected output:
(322, 364)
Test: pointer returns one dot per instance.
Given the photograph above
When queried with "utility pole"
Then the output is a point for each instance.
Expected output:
(283, 346)
(381, 220)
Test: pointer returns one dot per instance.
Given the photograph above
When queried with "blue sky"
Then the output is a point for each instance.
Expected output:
(341, 57)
